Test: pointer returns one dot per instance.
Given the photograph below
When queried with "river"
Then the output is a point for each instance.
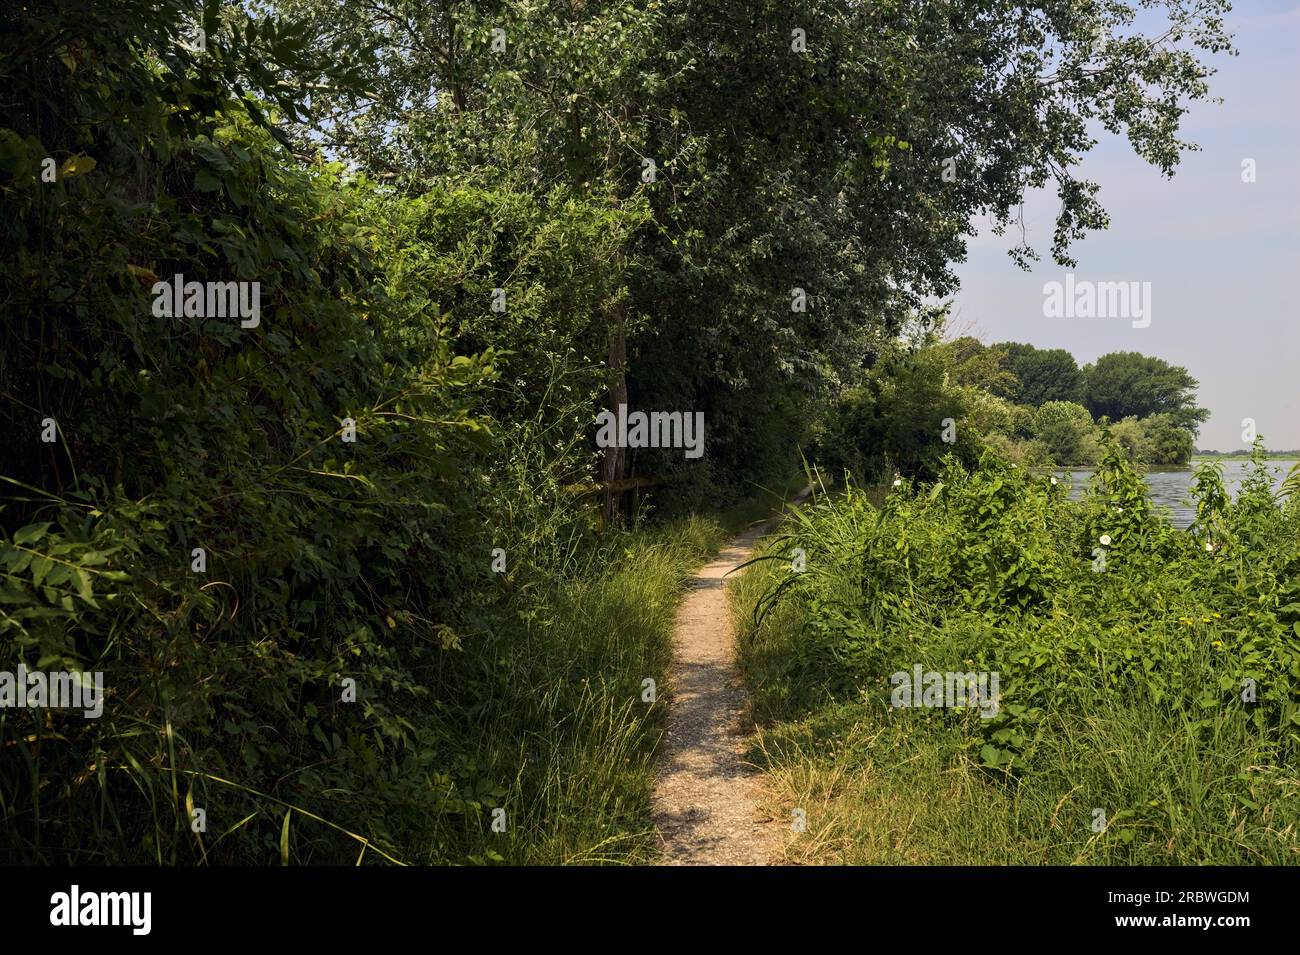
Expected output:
(1172, 488)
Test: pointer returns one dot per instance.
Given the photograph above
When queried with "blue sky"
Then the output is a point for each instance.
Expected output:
(1222, 256)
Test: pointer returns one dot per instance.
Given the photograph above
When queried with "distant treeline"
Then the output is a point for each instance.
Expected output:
(1245, 453)
(1036, 407)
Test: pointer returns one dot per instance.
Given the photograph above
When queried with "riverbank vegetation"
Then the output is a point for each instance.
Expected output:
(1146, 701)
(1242, 455)
(927, 396)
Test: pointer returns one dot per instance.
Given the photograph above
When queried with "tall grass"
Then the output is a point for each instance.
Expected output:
(1127, 680)
(539, 713)
(562, 721)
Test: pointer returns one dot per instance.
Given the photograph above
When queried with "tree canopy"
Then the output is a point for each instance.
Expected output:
(809, 171)
(1124, 384)
(1043, 374)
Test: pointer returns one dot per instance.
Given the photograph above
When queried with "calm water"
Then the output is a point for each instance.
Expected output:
(1172, 489)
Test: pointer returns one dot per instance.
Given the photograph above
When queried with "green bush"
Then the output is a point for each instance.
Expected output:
(1147, 672)
(324, 560)
(1096, 614)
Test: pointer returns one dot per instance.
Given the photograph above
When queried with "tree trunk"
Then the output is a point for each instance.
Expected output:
(614, 462)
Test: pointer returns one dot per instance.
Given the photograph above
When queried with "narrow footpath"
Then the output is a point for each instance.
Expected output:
(706, 802)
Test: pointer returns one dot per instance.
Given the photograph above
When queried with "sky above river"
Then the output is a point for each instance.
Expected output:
(1222, 256)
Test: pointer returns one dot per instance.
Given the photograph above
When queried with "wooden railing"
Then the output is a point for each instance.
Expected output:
(613, 492)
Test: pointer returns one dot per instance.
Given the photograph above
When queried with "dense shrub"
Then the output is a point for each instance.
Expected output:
(1075, 604)
(928, 397)
(323, 559)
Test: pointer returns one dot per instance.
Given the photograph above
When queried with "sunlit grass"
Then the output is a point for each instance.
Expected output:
(887, 786)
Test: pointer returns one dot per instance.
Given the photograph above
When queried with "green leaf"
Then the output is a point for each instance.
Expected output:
(76, 166)
(206, 181)
(31, 533)
(284, 838)
(40, 567)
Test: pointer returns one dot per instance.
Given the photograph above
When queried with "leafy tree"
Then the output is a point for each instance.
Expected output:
(836, 181)
(1124, 384)
(1054, 412)
(1131, 438)
(1066, 429)
(978, 365)
(1043, 374)
(791, 197)
(897, 420)
(1168, 442)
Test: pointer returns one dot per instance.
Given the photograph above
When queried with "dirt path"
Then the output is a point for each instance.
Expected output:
(706, 798)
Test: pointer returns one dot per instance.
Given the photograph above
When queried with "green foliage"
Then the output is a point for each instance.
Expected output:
(998, 567)
(1116, 638)
(224, 686)
(1124, 384)
(379, 169)
(833, 184)
(1042, 374)
(1065, 427)
(1165, 440)
(325, 560)
(893, 420)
